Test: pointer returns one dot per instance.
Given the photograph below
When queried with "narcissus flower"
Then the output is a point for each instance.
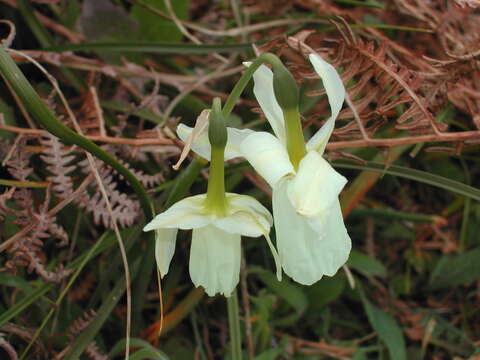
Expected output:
(218, 220)
(312, 240)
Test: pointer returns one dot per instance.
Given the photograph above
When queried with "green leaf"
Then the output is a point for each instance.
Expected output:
(325, 291)
(145, 351)
(453, 186)
(291, 293)
(24, 303)
(386, 327)
(101, 20)
(153, 47)
(454, 270)
(155, 28)
(366, 264)
(271, 354)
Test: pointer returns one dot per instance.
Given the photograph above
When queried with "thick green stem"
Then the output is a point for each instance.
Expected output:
(234, 326)
(216, 200)
(295, 140)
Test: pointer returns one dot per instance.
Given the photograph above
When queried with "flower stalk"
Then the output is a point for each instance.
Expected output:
(295, 141)
(216, 201)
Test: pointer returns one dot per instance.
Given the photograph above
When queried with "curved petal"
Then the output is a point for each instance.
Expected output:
(241, 222)
(336, 95)
(188, 213)
(215, 260)
(164, 248)
(201, 145)
(298, 243)
(267, 155)
(263, 90)
(315, 186)
(335, 246)
(239, 202)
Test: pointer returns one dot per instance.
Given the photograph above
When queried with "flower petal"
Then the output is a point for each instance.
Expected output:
(201, 145)
(164, 248)
(304, 254)
(188, 213)
(315, 186)
(239, 202)
(335, 246)
(241, 223)
(336, 95)
(263, 90)
(267, 155)
(215, 260)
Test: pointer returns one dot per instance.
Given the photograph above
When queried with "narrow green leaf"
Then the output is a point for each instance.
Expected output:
(86, 337)
(153, 47)
(24, 303)
(145, 350)
(416, 175)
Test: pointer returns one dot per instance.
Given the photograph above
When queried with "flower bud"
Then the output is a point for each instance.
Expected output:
(217, 131)
(284, 86)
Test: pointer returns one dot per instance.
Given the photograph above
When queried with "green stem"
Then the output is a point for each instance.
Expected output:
(234, 326)
(243, 81)
(295, 140)
(216, 200)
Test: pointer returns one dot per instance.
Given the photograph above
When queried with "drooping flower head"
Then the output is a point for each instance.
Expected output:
(218, 221)
(311, 237)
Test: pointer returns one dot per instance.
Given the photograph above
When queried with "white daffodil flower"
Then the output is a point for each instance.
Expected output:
(312, 240)
(218, 221)
(215, 248)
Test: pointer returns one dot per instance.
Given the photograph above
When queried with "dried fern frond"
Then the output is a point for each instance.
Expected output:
(58, 161)
(124, 209)
(18, 163)
(25, 251)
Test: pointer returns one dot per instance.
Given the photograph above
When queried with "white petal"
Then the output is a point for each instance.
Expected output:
(188, 213)
(336, 95)
(267, 155)
(263, 90)
(239, 202)
(335, 246)
(297, 241)
(201, 145)
(315, 186)
(164, 248)
(215, 260)
(241, 223)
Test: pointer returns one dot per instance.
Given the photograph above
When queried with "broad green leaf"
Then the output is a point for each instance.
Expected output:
(271, 354)
(292, 294)
(454, 270)
(101, 20)
(386, 327)
(325, 291)
(366, 264)
(155, 28)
